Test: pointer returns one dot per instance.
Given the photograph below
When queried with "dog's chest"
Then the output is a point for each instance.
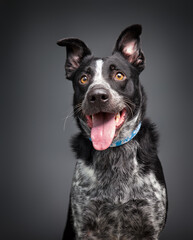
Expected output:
(105, 193)
(111, 177)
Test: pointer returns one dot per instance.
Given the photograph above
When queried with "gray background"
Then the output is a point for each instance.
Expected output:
(36, 161)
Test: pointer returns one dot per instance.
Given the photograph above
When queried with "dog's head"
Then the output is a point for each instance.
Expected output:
(108, 97)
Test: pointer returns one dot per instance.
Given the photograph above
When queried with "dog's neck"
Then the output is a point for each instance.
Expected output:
(121, 141)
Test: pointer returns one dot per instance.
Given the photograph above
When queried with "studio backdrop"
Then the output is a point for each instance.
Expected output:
(37, 163)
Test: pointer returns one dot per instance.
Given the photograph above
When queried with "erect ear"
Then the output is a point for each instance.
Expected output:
(128, 44)
(76, 50)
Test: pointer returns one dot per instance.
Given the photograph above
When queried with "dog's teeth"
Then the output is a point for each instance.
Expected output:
(117, 117)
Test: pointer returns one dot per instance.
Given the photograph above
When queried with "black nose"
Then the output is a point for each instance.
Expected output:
(98, 96)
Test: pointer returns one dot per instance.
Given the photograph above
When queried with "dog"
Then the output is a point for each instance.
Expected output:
(118, 189)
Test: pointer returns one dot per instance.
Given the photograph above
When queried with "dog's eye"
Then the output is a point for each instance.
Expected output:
(84, 79)
(119, 76)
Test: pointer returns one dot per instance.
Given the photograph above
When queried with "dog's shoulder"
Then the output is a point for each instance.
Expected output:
(148, 136)
(147, 154)
(82, 147)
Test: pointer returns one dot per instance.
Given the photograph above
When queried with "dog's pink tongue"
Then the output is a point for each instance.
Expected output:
(103, 130)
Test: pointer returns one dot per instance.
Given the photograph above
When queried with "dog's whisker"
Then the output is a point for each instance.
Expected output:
(129, 101)
(129, 107)
(78, 111)
(73, 113)
(66, 118)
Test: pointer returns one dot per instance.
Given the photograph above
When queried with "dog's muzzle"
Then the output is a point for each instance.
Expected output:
(98, 100)
(104, 116)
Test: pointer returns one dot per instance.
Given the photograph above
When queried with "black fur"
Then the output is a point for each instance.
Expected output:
(120, 192)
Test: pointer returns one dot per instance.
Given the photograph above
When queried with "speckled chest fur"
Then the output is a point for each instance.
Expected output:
(118, 189)
(114, 198)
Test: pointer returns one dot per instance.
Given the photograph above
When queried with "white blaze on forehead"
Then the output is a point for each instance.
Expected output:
(98, 77)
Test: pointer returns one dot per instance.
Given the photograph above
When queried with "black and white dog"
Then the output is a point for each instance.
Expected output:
(118, 190)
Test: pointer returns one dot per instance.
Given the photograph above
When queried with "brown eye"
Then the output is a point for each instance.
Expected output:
(84, 79)
(119, 76)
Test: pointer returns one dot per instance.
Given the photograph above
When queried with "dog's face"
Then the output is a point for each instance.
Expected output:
(107, 92)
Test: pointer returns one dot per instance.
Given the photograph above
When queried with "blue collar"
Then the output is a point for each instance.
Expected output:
(120, 142)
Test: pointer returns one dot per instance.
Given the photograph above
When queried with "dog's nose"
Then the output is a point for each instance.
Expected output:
(98, 96)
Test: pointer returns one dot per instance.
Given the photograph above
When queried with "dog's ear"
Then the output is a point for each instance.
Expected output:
(76, 50)
(128, 44)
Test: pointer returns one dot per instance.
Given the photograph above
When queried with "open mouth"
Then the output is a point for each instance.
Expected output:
(104, 127)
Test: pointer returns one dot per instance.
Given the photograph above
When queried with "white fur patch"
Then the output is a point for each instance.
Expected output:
(89, 173)
(98, 78)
